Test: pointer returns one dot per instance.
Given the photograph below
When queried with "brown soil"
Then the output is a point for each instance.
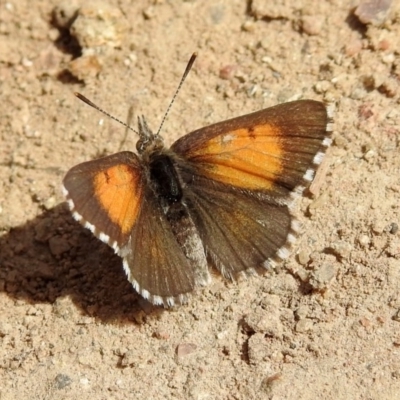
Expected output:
(325, 325)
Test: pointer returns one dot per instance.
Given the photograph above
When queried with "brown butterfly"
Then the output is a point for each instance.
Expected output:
(220, 194)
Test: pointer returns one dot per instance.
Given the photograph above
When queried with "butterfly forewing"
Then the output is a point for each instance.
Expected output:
(268, 151)
(106, 195)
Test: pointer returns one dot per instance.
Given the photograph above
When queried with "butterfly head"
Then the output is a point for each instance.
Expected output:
(148, 141)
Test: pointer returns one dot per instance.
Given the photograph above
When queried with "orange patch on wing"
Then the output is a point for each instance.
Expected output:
(246, 158)
(119, 192)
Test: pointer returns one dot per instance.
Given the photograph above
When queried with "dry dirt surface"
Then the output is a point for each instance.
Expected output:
(325, 324)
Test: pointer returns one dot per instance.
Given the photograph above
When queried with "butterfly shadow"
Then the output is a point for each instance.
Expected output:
(52, 257)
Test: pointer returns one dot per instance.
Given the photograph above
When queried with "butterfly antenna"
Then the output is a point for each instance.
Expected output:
(187, 70)
(91, 104)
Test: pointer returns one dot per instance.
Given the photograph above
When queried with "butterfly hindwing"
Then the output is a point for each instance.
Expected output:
(239, 231)
(154, 260)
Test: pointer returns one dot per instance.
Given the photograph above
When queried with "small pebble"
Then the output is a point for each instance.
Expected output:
(304, 325)
(312, 24)
(185, 349)
(394, 228)
(61, 381)
(85, 67)
(58, 245)
(322, 277)
(373, 11)
(228, 72)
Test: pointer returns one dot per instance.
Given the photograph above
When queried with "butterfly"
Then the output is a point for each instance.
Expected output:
(220, 195)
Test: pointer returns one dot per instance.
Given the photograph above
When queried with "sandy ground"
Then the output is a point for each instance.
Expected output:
(325, 325)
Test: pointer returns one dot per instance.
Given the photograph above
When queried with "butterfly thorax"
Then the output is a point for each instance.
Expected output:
(164, 178)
